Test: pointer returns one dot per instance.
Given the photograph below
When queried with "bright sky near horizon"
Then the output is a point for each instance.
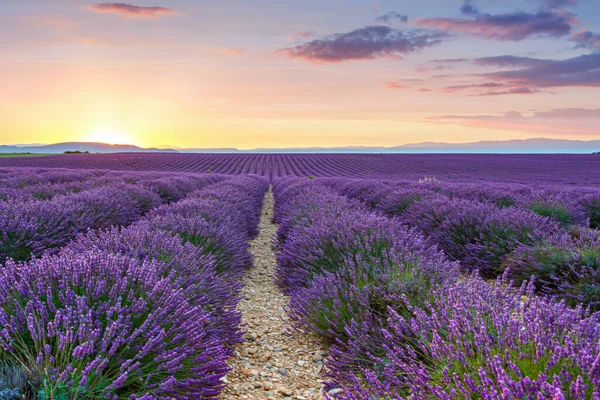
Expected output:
(272, 73)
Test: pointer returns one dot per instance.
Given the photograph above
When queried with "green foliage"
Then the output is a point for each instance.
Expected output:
(593, 212)
(505, 201)
(400, 205)
(10, 155)
(571, 272)
(11, 247)
(554, 211)
(15, 384)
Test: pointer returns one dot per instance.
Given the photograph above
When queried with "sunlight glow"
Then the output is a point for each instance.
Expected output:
(108, 135)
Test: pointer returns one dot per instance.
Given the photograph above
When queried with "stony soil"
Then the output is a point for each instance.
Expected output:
(275, 362)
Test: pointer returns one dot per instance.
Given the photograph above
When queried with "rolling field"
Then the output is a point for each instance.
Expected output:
(8, 155)
(162, 276)
(526, 169)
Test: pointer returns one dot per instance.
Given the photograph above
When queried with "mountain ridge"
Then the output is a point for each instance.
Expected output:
(516, 146)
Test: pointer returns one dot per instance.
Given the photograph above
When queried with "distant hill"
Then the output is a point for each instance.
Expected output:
(537, 146)
(60, 148)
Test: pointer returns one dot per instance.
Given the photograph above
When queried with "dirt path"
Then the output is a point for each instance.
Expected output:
(275, 362)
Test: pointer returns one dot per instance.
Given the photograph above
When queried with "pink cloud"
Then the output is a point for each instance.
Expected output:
(513, 26)
(458, 88)
(396, 85)
(232, 51)
(301, 35)
(400, 86)
(526, 75)
(579, 121)
(515, 90)
(130, 11)
(586, 39)
(89, 41)
(581, 71)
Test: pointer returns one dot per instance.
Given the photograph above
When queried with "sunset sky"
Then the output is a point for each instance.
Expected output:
(277, 73)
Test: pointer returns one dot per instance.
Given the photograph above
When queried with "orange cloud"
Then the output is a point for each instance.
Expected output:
(130, 11)
(232, 51)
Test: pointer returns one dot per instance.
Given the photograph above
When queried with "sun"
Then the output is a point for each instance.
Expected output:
(108, 135)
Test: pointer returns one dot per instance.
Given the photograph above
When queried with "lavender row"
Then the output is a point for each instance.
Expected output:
(402, 324)
(343, 266)
(31, 227)
(23, 177)
(142, 312)
(566, 205)
(494, 229)
(44, 184)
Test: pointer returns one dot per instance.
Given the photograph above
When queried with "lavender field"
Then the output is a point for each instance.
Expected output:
(403, 277)
(555, 169)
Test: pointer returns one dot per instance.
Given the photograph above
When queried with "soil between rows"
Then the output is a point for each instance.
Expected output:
(275, 361)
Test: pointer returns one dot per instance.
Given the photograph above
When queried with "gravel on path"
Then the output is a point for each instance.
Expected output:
(275, 361)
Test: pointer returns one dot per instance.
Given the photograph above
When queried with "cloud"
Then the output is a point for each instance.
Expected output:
(586, 39)
(556, 4)
(469, 9)
(581, 71)
(568, 113)
(367, 43)
(513, 26)
(89, 41)
(400, 86)
(301, 35)
(232, 51)
(440, 64)
(432, 68)
(458, 88)
(130, 11)
(449, 60)
(516, 90)
(392, 17)
(411, 80)
(509, 61)
(578, 121)
(526, 75)
(396, 85)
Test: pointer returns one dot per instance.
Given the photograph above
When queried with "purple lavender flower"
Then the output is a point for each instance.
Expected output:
(478, 340)
(102, 325)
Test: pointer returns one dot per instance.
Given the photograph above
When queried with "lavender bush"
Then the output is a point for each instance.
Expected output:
(558, 204)
(480, 237)
(220, 227)
(564, 266)
(590, 202)
(429, 215)
(32, 227)
(100, 325)
(187, 265)
(402, 327)
(381, 261)
(396, 202)
(137, 312)
(346, 266)
(478, 340)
